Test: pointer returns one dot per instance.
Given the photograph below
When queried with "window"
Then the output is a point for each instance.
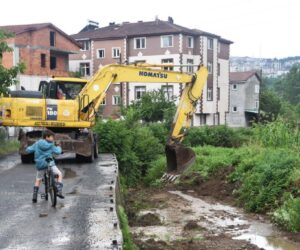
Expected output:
(139, 91)
(190, 42)
(209, 68)
(52, 62)
(234, 109)
(202, 119)
(166, 41)
(219, 69)
(86, 45)
(103, 102)
(190, 68)
(168, 61)
(115, 52)
(234, 87)
(100, 53)
(43, 60)
(256, 104)
(116, 100)
(209, 94)
(210, 43)
(256, 89)
(85, 69)
(52, 38)
(140, 43)
(219, 47)
(168, 91)
(218, 93)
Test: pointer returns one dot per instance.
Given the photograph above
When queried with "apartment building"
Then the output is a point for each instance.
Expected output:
(244, 98)
(158, 42)
(43, 48)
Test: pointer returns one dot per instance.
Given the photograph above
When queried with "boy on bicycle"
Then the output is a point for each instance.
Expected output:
(43, 149)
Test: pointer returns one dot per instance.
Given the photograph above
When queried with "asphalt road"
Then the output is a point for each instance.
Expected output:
(85, 219)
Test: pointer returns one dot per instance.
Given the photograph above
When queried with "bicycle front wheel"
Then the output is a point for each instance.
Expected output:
(52, 190)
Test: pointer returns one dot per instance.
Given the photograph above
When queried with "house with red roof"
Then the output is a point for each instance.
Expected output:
(43, 48)
(244, 98)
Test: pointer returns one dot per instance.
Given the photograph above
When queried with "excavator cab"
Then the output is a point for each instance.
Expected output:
(62, 88)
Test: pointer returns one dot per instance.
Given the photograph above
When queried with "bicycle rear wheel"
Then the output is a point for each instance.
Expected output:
(52, 189)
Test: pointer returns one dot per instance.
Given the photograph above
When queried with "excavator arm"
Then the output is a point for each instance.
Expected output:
(91, 96)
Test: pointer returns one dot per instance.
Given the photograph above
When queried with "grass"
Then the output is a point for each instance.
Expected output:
(128, 243)
(8, 147)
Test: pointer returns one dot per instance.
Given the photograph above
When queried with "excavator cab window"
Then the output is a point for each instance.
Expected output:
(68, 90)
(48, 89)
(52, 90)
(44, 88)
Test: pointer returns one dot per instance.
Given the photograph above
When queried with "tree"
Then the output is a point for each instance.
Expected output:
(7, 76)
(270, 105)
(288, 87)
(153, 107)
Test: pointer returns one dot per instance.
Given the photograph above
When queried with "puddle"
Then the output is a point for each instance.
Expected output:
(69, 173)
(268, 243)
(216, 219)
(8, 162)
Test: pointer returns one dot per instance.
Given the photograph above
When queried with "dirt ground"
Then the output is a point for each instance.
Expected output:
(191, 217)
(172, 231)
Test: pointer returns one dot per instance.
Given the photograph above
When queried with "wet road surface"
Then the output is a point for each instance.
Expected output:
(85, 219)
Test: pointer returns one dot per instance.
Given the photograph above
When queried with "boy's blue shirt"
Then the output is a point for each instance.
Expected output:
(43, 149)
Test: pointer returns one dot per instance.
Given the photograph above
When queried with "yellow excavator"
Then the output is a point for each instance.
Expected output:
(68, 107)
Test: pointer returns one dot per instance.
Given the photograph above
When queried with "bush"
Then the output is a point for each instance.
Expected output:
(156, 171)
(277, 134)
(265, 178)
(135, 148)
(218, 136)
(210, 159)
(288, 216)
(146, 147)
(114, 137)
(160, 131)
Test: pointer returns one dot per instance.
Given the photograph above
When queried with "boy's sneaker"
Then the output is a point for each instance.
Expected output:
(59, 187)
(35, 194)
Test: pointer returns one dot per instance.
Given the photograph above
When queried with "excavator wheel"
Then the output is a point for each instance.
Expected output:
(179, 158)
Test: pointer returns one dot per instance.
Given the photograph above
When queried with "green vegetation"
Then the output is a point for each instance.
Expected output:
(219, 136)
(7, 146)
(7, 76)
(128, 243)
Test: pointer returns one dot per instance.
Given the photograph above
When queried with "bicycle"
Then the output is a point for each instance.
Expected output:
(49, 181)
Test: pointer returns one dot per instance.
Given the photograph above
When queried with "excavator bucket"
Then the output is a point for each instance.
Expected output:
(179, 158)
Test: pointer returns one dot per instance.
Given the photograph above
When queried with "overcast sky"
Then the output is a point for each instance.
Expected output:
(258, 28)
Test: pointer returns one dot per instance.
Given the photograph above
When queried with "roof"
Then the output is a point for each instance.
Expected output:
(19, 29)
(126, 29)
(242, 76)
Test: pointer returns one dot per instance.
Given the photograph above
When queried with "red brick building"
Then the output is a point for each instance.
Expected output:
(43, 48)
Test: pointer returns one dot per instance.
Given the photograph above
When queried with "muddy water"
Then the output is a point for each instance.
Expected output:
(226, 219)
(215, 219)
